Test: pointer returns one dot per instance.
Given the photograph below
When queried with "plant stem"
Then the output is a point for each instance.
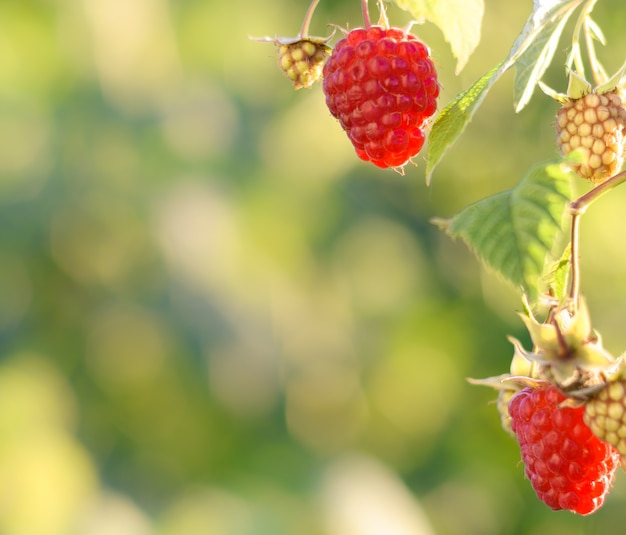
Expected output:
(577, 208)
(580, 205)
(574, 260)
(366, 14)
(304, 31)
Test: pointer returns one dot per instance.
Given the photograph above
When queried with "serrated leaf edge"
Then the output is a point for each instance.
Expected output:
(519, 274)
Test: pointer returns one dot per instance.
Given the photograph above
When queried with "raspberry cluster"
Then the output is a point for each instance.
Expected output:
(381, 84)
(564, 401)
(567, 465)
(565, 404)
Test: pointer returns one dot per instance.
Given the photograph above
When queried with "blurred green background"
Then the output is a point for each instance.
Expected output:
(216, 320)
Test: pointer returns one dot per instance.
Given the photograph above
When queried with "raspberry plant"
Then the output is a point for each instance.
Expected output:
(564, 401)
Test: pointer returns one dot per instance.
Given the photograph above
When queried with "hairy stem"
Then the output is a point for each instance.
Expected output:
(366, 14)
(304, 31)
(574, 259)
(577, 208)
(580, 205)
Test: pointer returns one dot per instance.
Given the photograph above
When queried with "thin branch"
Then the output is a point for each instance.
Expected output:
(580, 205)
(577, 208)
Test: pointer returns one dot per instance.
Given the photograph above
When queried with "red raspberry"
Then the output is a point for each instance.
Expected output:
(568, 466)
(381, 84)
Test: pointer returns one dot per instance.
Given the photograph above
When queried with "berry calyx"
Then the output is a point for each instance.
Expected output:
(381, 84)
(568, 466)
(567, 351)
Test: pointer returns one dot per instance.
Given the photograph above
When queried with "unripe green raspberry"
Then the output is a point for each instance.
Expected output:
(605, 414)
(504, 396)
(593, 125)
(303, 60)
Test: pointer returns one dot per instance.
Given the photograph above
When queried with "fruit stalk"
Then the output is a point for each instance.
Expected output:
(574, 258)
(580, 205)
(366, 14)
(577, 208)
(304, 30)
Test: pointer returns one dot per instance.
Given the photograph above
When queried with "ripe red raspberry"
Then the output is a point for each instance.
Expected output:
(567, 465)
(381, 84)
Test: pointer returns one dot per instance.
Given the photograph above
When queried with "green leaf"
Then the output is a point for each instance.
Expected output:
(454, 118)
(557, 274)
(535, 47)
(458, 20)
(514, 232)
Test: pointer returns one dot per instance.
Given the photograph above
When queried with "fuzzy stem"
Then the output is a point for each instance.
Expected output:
(366, 14)
(577, 208)
(304, 31)
(580, 205)
(574, 260)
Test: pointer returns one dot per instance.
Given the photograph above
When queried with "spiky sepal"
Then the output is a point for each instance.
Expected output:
(507, 386)
(568, 352)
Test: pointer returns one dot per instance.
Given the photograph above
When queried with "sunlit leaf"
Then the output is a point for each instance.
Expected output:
(556, 275)
(458, 20)
(454, 118)
(533, 49)
(514, 232)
